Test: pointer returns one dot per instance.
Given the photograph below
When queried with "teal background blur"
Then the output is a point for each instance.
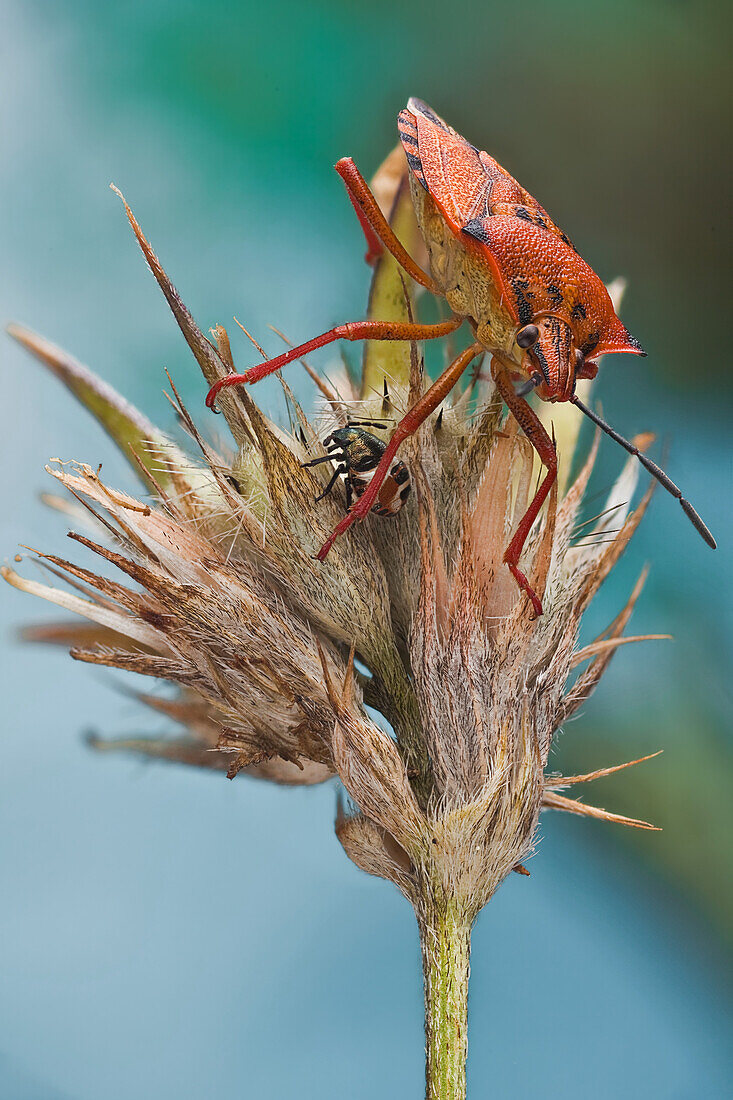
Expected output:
(166, 933)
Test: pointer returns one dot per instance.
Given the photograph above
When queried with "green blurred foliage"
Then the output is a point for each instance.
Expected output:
(685, 792)
(615, 114)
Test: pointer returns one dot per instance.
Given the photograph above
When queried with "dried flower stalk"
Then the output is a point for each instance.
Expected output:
(219, 594)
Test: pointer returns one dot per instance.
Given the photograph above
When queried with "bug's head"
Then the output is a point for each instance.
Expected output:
(360, 450)
(555, 352)
(340, 439)
(549, 356)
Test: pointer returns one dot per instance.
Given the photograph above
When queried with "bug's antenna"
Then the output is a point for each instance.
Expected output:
(370, 423)
(653, 469)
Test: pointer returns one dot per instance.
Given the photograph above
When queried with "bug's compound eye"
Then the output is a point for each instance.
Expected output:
(528, 336)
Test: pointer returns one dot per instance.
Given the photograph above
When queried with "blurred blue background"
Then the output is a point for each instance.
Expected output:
(167, 933)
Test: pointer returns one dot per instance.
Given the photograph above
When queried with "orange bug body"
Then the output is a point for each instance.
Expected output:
(500, 260)
(503, 265)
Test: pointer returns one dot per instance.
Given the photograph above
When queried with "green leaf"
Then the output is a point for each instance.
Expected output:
(390, 293)
(149, 451)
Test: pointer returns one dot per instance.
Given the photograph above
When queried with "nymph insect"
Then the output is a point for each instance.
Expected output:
(357, 454)
(503, 266)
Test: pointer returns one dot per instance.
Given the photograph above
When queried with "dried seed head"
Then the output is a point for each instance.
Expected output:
(219, 593)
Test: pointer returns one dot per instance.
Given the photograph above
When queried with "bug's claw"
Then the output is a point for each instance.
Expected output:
(524, 586)
(321, 555)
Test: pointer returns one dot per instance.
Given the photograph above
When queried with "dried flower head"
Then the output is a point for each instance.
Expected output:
(279, 660)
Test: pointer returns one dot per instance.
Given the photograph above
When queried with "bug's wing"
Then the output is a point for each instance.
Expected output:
(445, 164)
(464, 182)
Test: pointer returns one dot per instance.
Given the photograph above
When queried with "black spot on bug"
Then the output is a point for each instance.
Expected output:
(555, 294)
(544, 366)
(477, 229)
(634, 343)
(590, 344)
(414, 161)
(523, 212)
(578, 312)
(422, 108)
(522, 293)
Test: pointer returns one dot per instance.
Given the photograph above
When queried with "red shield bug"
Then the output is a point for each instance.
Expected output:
(503, 266)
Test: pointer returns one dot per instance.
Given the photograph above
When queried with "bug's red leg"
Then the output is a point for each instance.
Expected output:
(377, 229)
(410, 422)
(375, 248)
(532, 427)
(353, 330)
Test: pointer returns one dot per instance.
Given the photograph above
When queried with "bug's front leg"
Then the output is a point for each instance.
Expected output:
(353, 330)
(375, 248)
(376, 228)
(532, 427)
(336, 475)
(412, 420)
(340, 469)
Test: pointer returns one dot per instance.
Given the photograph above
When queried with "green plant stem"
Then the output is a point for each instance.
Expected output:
(445, 938)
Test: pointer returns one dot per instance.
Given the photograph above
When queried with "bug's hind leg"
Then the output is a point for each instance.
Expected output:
(377, 230)
(410, 422)
(532, 427)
